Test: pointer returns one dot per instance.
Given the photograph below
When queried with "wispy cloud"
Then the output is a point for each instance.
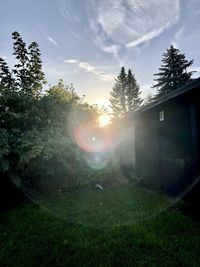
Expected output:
(51, 40)
(76, 35)
(99, 74)
(71, 61)
(128, 23)
(65, 9)
(147, 37)
(177, 37)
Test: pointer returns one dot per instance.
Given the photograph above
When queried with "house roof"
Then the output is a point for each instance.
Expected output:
(193, 84)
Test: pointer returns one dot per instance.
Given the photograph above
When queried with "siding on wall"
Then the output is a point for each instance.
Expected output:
(128, 147)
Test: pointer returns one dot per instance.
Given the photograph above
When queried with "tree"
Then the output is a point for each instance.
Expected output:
(28, 74)
(20, 86)
(37, 138)
(66, 92)
(20, 69)
(125, 95)
(117, 100)
(19, 108)
(132, 93)
(173, 72)
(36, 77)
(6, 79)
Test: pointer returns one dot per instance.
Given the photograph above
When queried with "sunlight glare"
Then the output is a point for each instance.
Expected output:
(104, 120)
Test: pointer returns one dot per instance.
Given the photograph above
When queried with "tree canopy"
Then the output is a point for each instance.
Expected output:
(173, 73)
(35, 142)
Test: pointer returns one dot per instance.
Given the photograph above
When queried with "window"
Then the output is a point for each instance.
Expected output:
(161, 115)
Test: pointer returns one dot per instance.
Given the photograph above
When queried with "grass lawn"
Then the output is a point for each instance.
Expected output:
(115, 227)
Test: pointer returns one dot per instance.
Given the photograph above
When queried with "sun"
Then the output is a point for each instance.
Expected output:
(104, 120)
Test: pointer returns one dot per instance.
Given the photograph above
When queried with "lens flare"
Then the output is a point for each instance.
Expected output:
(92, 140)
(97, 161)
(104, 120)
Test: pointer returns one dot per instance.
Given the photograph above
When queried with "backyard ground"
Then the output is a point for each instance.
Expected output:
(115, 227)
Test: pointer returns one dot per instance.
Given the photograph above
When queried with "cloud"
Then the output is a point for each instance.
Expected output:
(177, 37)
(128, 23)
(4, 57)
(66, 10)
(71, 61)
(146, 38)
(146, 90)
(193, 68)
(99, 74)
(76, 35)
(111, 49)
(196, 70)
(51, 40)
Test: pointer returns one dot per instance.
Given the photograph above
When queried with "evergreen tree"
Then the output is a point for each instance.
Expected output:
(173, 72)
(132, 93)
(118, 95)
(125, 95)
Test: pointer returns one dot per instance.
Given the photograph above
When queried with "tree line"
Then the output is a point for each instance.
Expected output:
(173, 73)
(36, 146)
(35, 142)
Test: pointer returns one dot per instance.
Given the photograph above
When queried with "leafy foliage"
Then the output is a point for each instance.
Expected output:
(173, 72)
(28, 70)
(35, 142)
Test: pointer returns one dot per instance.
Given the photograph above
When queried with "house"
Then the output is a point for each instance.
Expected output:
(167, 140)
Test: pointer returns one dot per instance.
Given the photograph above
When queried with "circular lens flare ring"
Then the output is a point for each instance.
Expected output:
(91, 140)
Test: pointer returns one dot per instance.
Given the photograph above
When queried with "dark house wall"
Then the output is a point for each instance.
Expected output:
(167, 151)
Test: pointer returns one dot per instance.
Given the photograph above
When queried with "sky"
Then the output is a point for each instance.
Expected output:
(86, 42)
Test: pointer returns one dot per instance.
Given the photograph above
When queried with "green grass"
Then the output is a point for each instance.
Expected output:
(110, 207)
(115, 227)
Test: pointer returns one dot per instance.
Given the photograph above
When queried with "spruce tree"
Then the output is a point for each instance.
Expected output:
(125, 95)
(173, 72)
(118, 95)
(132, 93)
